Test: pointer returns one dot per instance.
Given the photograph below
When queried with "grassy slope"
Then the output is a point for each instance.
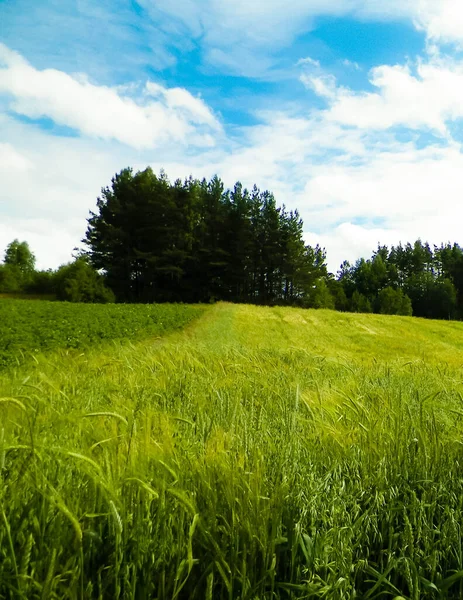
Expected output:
(260, 453)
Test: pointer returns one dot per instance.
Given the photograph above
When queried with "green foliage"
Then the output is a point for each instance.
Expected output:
(393, 302)
(32, 326)
(338, 294)
(17, 272)
(321, 296)
(360, 303)
(431, 279)
(79, 282)
(18, 254)
(444, 299)
(11, 279)
(42, 282)
(196, 241)
(266, 453)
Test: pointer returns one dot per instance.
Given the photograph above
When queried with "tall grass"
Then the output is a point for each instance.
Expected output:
(261, 453)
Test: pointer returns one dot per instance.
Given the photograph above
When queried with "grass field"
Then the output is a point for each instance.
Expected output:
(256, 453)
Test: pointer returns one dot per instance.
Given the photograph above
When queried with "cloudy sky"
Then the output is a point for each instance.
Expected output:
(349, 110)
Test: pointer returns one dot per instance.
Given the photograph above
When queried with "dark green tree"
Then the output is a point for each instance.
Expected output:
(197, 241)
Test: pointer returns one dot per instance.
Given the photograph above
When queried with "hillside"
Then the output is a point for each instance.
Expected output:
(256, 453)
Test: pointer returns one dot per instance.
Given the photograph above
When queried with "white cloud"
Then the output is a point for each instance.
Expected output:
(241, 36)
(311, 62)
(427, 99)
(331, 174)
(102, 112)
(322, 85)
(441, 19)
(51, 243)
(399, 187)
(350, 242)
(245, 37)
(351, 64)
(48, 185)
(12, 161)
(266, 23)
(410, 193)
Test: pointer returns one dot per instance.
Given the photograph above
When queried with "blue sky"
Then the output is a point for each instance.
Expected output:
(348, 110)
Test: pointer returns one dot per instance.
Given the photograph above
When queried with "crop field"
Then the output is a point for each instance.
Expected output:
(255, 453)
(31, 326)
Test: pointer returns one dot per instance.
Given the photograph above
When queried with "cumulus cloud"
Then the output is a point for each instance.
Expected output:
(48, 185)
(156, 115)
(389, 190)
(442, 20)
(425, 97)
(390, 197)
(349, 241)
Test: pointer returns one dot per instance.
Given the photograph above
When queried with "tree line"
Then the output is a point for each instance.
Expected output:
(77, 281)
(151, 240)
(412, 279)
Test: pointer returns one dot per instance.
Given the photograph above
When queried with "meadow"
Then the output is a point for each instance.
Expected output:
(255, 453)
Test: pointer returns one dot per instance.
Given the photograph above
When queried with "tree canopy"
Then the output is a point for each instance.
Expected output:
(195, 241)
(18, 254)
(429, 281)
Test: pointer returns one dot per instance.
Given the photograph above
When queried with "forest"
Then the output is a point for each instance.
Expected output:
(191, 241)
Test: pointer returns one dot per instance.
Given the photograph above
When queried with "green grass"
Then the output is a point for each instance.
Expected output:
(257, 453)
(26, 296)
(28, 327)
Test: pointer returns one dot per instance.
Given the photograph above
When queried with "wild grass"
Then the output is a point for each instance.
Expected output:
(259, 453)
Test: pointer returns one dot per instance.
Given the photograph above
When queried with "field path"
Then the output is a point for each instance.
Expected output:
(330, 334)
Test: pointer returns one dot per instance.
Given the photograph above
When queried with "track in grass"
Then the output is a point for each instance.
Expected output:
(259, 453)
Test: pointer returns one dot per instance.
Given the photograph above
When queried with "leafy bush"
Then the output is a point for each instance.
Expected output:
(11, 279)
(360, 303)
(394, 302)
(79, 282)
(41, 282)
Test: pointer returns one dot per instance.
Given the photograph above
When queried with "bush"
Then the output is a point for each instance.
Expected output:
(360, 303)
(79, 282)
(41, 282)
(393, 302)
(11, 279)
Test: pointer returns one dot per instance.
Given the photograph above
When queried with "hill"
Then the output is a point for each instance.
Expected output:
(256, 453)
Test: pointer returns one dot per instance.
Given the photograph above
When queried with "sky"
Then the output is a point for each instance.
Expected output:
(350, 111)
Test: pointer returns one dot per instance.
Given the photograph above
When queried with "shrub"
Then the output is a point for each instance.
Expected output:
(79, 282)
